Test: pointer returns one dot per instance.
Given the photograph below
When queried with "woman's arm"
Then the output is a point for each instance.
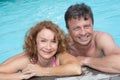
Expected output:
(68, 66)
(15, 76)
(9, 69)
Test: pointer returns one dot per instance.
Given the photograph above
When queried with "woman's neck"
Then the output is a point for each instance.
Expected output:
(45, 62)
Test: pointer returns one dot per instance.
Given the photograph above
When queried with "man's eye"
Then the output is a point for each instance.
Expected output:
(87, 26)
(76, 28)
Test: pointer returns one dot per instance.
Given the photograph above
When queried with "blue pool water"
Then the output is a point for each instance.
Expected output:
(17, 16)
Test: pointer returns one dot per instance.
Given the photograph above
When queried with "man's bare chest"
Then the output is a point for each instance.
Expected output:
(91, 52)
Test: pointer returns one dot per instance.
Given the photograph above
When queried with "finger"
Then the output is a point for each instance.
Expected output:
(25, 69)
(27, 72)
(30, 65)
(29, 75)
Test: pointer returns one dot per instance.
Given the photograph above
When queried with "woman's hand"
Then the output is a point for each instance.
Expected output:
(18, 76)
(33, 69)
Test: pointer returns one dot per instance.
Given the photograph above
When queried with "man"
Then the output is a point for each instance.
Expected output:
(94, 49)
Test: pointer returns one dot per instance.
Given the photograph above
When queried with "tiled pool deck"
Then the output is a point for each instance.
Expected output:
(89, 74)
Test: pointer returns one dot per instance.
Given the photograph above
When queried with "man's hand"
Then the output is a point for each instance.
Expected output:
(82, 60)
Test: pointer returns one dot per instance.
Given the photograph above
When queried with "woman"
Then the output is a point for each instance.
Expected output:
(45, 54)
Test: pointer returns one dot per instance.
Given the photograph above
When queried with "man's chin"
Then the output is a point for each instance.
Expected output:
(84, 43)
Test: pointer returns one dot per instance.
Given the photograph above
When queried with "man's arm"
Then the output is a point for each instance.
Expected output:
(110, 63)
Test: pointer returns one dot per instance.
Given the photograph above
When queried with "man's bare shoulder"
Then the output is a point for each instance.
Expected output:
(102, 38)
(100, 35)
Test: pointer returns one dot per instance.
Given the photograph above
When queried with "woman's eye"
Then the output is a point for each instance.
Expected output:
(54, 41)
(42, 40)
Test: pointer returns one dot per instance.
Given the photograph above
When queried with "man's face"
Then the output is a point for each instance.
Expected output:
(81, 30)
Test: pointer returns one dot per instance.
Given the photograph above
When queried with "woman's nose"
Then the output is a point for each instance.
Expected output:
(48, 46)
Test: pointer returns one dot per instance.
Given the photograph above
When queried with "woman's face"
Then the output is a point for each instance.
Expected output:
(47, 45)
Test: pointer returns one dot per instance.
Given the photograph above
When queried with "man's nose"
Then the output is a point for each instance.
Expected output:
(83, 31)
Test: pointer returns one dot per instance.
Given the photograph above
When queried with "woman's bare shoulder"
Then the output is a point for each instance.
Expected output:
(21, 56)
(15, 63)
(65, 57)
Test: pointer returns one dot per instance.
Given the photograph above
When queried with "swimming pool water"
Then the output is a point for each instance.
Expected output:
(17, 16)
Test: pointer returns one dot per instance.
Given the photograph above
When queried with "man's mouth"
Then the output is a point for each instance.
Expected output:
(83, 38)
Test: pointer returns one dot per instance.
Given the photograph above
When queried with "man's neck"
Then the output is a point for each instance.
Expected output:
(84, 47)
